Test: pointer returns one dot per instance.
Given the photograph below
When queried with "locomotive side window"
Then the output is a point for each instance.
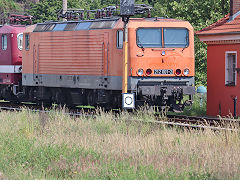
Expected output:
(20, 41)
(119, 39)
(70, 27)
(103, 25)
(4, 42)
(49, 27)
(230, 66)
(83, 26)
(39, 28)
(149, 37)
(175, 37)
(59, 27)
(27, 41)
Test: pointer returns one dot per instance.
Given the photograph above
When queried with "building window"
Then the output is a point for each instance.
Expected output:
(20, 41)
(4, 42)
(230, 68)
(120, 39)
(27, 41)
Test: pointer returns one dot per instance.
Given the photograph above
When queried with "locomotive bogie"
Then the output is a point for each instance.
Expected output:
(65, 96)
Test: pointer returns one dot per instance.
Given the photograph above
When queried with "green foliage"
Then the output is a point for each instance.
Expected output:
(199, 13)
(53, 161)
(200, 62)
(45, 10)
(20, 158)
(7, 6)
(198, 107)
(103, 127)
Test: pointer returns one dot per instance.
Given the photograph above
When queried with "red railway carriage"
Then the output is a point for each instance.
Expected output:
(10, 58)
(80, 62)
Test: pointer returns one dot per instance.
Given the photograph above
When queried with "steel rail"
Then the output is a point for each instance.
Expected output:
(188, 125)
(196, 119)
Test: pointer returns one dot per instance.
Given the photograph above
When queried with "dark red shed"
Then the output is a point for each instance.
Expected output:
(223, 62)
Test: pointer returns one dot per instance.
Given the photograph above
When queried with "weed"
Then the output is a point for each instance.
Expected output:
(55, 146)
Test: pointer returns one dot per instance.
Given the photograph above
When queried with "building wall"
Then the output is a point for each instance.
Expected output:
(220, 97)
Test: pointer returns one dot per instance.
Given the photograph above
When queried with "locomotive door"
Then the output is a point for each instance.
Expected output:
(105, 58)
(35, 63)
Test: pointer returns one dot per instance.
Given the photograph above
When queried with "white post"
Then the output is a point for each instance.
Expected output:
(64, 8)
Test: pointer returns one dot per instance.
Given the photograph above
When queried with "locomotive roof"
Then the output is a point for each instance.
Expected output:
(105, 23)
(161, 19)
(12, 28)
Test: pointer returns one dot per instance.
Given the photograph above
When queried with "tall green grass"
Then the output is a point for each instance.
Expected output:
(56, 146)
(198, 107)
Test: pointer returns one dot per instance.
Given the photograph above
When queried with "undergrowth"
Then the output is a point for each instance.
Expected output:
(198, 107)
(56, 146)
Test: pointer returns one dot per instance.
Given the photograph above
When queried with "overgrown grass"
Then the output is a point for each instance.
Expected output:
(56, 146)
(198, 108)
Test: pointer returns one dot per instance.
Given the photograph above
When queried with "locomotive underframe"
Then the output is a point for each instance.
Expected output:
(167, 91)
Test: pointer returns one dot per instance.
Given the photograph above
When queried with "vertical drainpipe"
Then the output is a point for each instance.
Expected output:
(64, 9)
(231, 8)
(235, 107)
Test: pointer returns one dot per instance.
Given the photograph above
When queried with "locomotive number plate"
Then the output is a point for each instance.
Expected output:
(163, 71)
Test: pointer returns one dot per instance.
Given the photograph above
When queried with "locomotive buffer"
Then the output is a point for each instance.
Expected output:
(127, 9)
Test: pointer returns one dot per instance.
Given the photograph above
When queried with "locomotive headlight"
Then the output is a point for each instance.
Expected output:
(148, 72)
(140, 72)
(186, 72)
(178, 72)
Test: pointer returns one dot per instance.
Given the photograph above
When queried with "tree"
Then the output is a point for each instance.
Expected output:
(7, 6)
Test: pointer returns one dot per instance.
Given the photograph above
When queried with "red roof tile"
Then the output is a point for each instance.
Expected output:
(222, 26)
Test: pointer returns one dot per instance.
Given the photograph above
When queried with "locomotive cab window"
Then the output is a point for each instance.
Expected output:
(175, 37)
(27, 41)
(4, 42)
(149, 37)
(119, 39)
(20, 41)
(230, 68)
(162, 37)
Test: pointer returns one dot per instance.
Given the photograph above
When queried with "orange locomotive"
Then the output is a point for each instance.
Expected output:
(80, 62)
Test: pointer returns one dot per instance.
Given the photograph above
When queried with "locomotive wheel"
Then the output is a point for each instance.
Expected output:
(91, 98)
(60, 97)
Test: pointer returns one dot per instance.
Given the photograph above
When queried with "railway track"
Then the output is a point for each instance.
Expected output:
(203, 120)
(213, 123)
